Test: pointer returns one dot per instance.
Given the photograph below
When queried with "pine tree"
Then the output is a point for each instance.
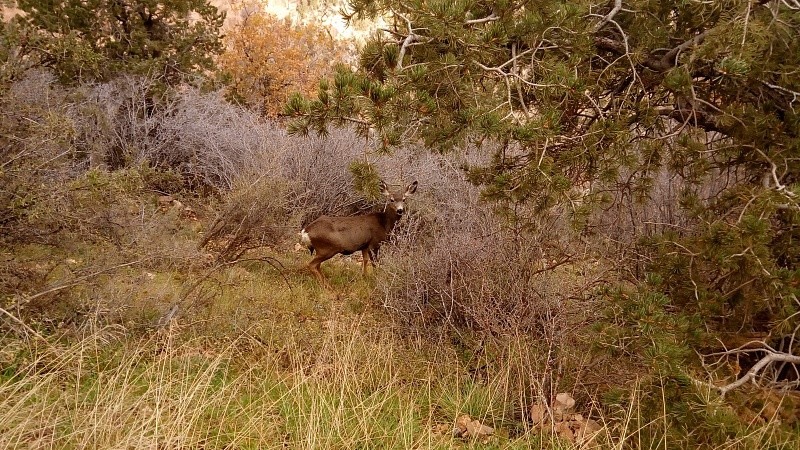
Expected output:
(610, 93)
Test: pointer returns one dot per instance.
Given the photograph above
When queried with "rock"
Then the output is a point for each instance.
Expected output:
(165, 200)
(188, 213)
(564, 402)
(586, 431)
(478, 430)
(467, 428)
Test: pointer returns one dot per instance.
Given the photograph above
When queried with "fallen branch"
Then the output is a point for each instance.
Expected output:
(24, 326)
(76, 281)
(771, 357)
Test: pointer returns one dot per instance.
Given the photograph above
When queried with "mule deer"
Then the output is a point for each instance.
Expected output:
(329, 236)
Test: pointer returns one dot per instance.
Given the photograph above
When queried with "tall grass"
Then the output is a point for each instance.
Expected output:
(354, 387)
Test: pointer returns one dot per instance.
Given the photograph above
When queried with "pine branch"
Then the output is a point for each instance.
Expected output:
(654, 63)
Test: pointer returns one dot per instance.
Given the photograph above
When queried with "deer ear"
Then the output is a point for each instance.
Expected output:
(384, 188)
(411, 188)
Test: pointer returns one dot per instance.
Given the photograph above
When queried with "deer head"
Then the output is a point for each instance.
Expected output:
(397, 202)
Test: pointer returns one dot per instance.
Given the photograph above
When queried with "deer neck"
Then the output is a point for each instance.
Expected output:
(390, 218)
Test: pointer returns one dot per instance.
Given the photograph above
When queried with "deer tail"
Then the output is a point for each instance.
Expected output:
(305, 239)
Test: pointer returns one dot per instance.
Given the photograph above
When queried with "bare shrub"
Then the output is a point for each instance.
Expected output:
(483, 281)
(318, 170)
(197, 135)
(457, 262)
(468, 274)
(35, 164)
(255, 214)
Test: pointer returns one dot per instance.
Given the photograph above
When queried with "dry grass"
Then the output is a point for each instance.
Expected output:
(337, 380)
(263, 365)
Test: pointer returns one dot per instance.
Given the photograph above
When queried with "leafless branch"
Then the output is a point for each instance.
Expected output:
(490, 18)
(780, 187)
(794, 5)
(617, 7)
(24, 326)
(406, 43)
(655, 63)
(795, 95)
(670, 59)
(78, 280)
(769, 358)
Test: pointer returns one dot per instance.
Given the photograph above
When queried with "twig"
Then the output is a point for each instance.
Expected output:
(794, 94)
(411, 38)
(74, 282)
(780, 187)
(167, 317)
(489, 18)
(24, 326)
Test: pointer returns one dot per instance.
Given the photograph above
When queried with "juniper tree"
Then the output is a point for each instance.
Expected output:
(609, 93)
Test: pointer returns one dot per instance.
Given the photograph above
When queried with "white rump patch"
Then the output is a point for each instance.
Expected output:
(305, 239)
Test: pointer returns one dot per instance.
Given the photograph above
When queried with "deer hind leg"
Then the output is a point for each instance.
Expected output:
(366, 257)
(314, 267)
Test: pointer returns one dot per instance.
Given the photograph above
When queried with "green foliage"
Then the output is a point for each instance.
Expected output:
(366, 180)
(14, 59)
(97, 39)
(568, 104)
(641, 328)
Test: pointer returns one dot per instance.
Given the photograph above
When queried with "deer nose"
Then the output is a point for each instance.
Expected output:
(400, 211)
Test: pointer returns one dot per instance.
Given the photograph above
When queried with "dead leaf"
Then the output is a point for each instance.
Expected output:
(586, 431)
(538, 414)
(477, 429)
(165, 200)
(564, 432)
(461, 425)
(440, 429)
(468, 428)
